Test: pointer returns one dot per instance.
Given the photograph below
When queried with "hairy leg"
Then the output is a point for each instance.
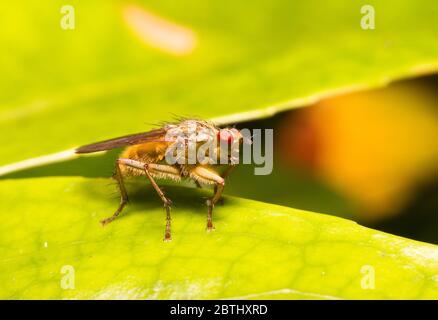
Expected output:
(167, 203)
(224, 175)
(209, 175)
(123, 194)
(198, 185)
(159, 170)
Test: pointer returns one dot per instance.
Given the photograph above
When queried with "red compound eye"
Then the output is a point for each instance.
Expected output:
(225, 136)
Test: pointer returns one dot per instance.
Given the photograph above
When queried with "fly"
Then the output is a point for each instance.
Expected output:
(164, 153)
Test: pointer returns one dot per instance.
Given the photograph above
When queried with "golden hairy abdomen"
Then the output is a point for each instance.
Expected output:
(149, 152)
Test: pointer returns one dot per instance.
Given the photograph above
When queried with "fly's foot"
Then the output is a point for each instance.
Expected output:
(210, 226)
(167, 237)
(123, 202)
(104, 222)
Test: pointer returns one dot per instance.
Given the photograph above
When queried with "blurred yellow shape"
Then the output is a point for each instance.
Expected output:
(158, 32)
(374, 146)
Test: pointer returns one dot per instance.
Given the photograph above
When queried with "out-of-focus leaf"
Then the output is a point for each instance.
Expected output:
(107, 77)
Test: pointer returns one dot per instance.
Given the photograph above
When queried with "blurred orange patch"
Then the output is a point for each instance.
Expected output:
(374, 147)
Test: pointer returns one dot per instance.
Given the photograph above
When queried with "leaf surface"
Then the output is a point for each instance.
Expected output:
(51, 233)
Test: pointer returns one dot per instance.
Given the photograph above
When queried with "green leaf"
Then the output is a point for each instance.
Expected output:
(63, 88)
(51, 233)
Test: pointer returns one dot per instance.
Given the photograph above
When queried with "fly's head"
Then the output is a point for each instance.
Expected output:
(229, 136)
(229, 139)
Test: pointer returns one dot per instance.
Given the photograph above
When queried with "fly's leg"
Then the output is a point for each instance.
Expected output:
(210, 176)
(224, 175)
(123, 195)
(163, 170)
(211, 202)
(166, 201)
(198, 185)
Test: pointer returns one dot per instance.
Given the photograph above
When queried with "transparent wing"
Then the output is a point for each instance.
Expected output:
(157, 135)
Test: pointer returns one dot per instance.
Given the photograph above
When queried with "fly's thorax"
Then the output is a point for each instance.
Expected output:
(199, 142)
